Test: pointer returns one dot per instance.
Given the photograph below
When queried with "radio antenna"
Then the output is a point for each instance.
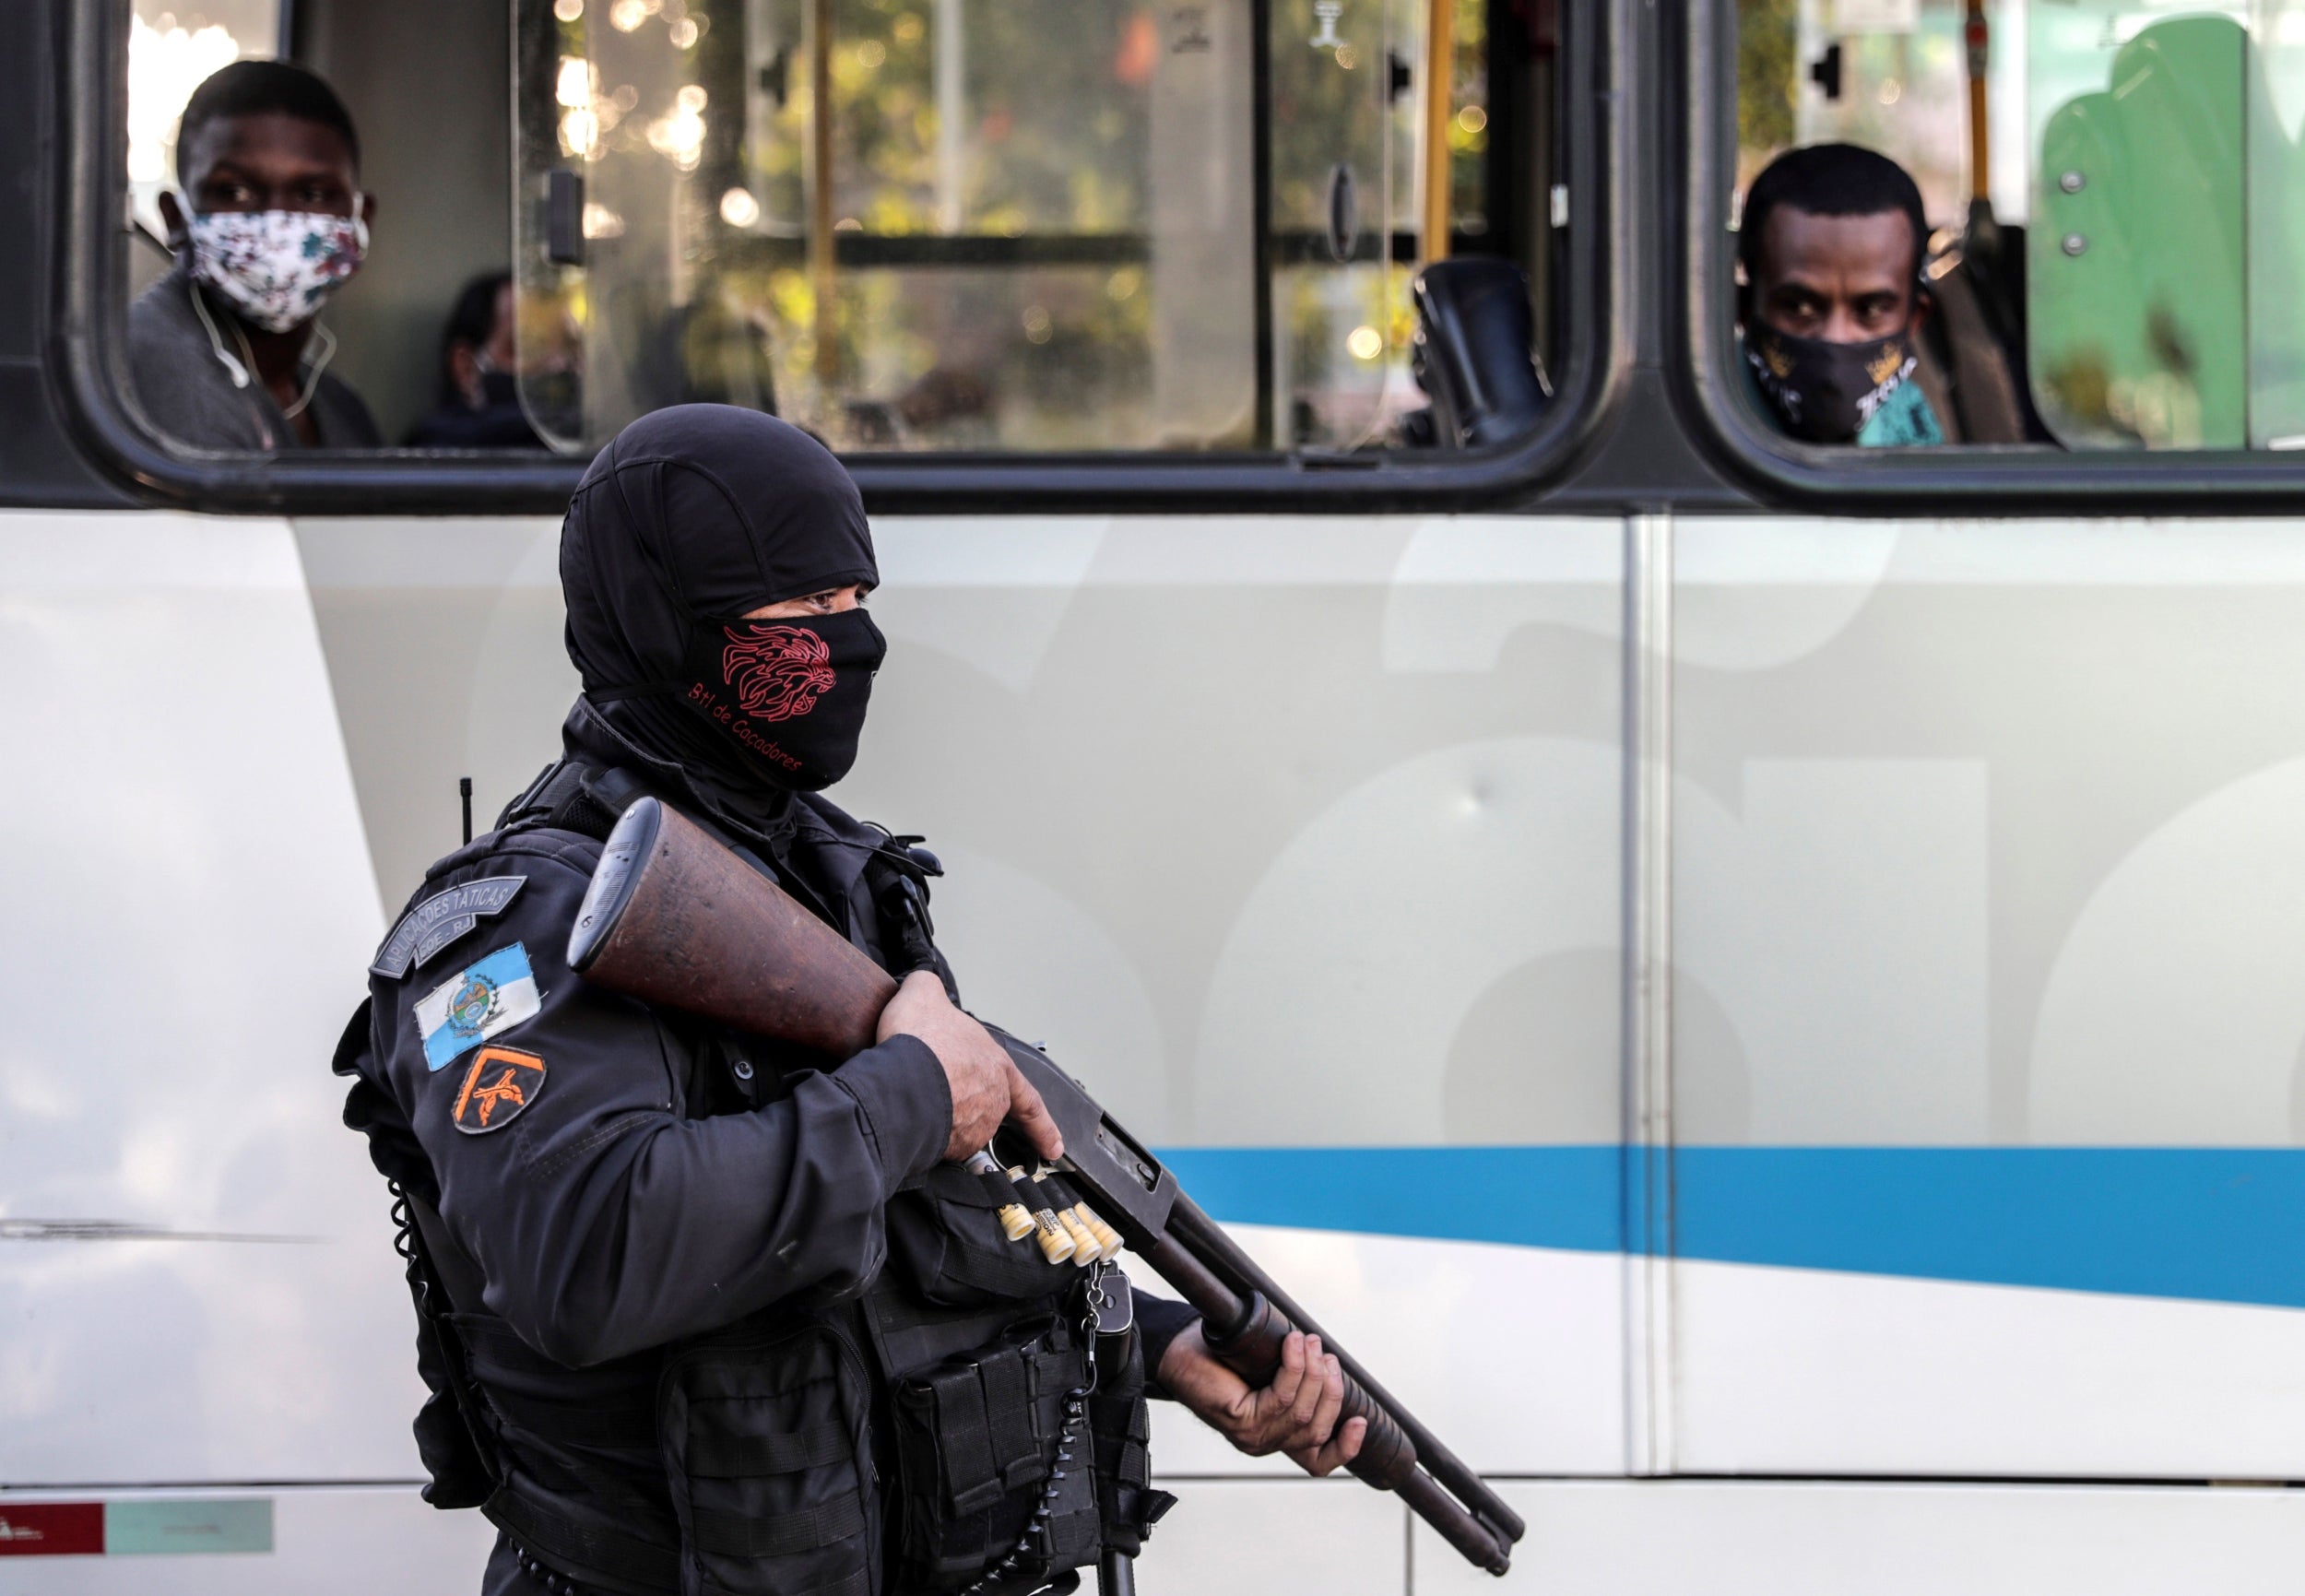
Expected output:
(463, 791)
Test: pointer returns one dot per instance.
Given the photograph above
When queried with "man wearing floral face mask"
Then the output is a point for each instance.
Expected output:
(227, 352)
(1832, 305)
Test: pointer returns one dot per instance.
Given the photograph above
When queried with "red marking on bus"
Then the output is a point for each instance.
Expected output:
(52, 1528)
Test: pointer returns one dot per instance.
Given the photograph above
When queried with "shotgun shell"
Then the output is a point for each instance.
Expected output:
(1086, 1249)
(1105, 1233)
(1016, 1222)
(1055, 1242)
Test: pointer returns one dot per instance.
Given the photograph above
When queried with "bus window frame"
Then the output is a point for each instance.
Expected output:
(88, 369)
(1969, 479)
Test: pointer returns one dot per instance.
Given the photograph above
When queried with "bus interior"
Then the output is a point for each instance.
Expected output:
(1046, 227)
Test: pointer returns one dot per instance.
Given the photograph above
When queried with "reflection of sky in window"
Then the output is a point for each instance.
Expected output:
(171, 49)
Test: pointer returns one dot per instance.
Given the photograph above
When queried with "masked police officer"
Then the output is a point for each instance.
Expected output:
(699, 1312)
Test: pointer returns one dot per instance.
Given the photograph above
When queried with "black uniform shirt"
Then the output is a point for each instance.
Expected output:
(603, 1217)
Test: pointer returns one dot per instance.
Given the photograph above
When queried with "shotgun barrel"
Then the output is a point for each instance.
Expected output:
(672, 917)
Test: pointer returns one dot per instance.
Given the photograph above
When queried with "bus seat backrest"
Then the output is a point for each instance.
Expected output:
(2137, 275)
(1977, 371)
(1474, 351)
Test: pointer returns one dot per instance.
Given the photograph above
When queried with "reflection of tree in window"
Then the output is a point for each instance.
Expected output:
(1047, 144)
(980, 269)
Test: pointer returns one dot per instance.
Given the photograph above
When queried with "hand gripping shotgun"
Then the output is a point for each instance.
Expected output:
(674, 917)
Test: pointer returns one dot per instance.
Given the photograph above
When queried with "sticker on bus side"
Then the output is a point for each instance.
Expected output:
(164, 1526)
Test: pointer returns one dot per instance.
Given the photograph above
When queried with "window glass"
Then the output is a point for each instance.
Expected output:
(171, 48)
(2166, 265)
(1041, 225)
(2111, 189)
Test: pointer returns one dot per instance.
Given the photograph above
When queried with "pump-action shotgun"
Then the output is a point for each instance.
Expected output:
(674, 917)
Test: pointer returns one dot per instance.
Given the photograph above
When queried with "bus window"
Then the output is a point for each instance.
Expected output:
(2166, 265)
(170, 49)
(410, 346)
(1045, 225)
(2108, 189)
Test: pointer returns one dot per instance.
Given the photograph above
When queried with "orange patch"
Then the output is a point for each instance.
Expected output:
(497, 1089)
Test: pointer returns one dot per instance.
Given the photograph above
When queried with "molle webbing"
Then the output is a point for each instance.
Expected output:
(717, 1456)
(779, 1534)
(576, 1424)
(589, 1554)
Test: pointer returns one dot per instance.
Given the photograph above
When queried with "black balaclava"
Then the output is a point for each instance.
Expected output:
(691, 517)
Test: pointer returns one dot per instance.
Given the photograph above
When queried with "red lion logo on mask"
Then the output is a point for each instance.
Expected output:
(777, 671)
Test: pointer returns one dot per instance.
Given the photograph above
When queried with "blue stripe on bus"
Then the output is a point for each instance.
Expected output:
(2220, 1225)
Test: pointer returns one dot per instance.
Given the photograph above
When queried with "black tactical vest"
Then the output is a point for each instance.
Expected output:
(962, 1425)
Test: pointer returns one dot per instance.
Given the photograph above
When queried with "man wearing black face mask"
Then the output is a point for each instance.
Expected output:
(1831, 244)
(480, 393)
(661, 1268)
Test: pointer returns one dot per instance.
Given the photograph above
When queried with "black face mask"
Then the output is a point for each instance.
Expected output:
(702, 511)
(1825, 392)
(499, 391)
(791, 694)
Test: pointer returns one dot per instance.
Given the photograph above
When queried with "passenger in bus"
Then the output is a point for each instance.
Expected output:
(479, 388)
(226, 353)
(1833, 300)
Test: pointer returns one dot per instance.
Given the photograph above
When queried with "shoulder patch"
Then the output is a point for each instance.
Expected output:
(498, 1089)
(470, 1007)
(440, 919)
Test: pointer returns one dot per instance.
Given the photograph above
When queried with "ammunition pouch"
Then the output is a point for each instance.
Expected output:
(1019, 1433)
(993, 1459)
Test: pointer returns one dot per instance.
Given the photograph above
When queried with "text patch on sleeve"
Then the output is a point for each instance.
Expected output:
(440, 919)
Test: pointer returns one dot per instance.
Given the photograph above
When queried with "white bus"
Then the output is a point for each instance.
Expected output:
(1760, 988)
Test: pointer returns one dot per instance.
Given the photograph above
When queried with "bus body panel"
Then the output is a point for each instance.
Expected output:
(190, 1280)
(371, 1539)
(1304, 842)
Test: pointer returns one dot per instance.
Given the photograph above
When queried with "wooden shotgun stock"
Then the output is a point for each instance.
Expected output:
(674, 917)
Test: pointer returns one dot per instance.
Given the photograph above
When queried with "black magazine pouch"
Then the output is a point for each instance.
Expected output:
(994, 1461)
(767, 1446)
(994, 1400)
